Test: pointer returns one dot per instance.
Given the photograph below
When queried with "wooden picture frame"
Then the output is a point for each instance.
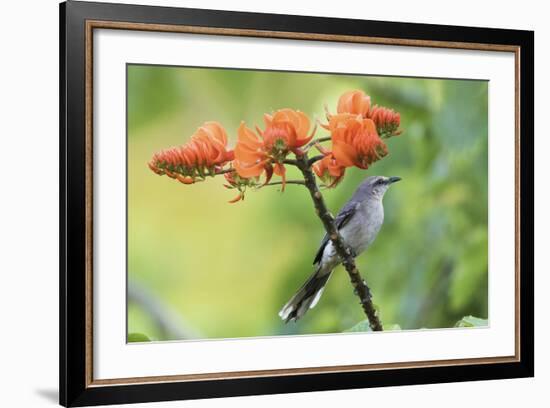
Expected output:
(78, 20)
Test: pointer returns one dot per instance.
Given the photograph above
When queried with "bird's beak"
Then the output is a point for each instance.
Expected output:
(392, 180)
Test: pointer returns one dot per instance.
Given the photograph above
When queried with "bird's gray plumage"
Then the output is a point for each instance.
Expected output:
(359, 222)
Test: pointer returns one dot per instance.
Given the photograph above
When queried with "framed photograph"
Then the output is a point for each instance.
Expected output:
(256, 204)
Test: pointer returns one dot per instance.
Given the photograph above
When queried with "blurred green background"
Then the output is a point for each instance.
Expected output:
(199, 267)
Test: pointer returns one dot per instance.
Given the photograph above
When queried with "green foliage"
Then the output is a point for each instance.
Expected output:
(471, 321)
(363, 326)
(137, 338)
(466, 321)
(226, 269)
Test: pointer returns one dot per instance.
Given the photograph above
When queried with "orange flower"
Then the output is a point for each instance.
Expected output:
(356, 142)
(350, 104)
(329, 170)
(204, 154)
(285, 131)
(251, 157)
(355, 102)
(387, 121)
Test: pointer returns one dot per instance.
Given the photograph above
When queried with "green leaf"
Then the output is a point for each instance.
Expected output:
(137, 338)
(363, 326)
(471, 321)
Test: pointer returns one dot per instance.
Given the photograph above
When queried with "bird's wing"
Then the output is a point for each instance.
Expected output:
(342, 219)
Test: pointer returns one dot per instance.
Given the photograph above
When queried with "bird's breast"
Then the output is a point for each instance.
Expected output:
(360, 233)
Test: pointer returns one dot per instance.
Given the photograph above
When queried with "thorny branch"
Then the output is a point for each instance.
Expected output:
(344, 252)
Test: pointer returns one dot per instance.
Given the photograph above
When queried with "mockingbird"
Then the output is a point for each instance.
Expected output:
(358, 222)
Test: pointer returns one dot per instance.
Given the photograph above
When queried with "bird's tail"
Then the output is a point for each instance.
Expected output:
(307, 296)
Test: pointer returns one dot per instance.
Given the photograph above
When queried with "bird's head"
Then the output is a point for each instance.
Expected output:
(376, 186)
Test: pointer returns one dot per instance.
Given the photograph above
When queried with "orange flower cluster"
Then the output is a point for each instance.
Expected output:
(358, 103)
(285, 131)
(205, 154)
(355, 141)
(356, 133)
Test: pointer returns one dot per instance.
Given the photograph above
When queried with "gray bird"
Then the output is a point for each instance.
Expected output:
(358, 222)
